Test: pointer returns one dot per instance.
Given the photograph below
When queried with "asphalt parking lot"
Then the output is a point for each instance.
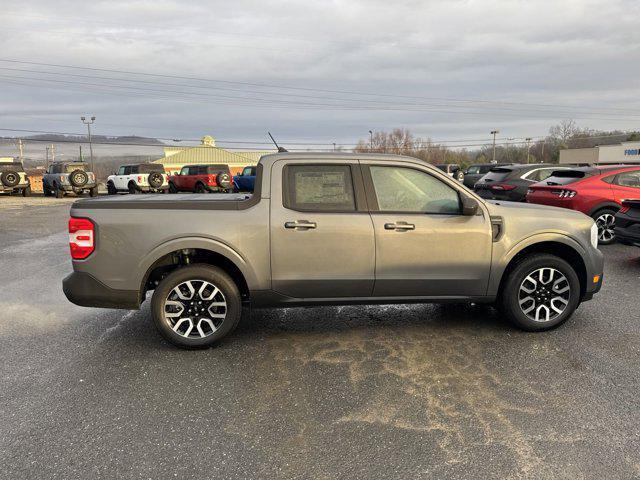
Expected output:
(356, 392)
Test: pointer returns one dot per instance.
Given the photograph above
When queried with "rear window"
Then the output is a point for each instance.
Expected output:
(565, 177)
(75, 166)
(497, 174)
(150, 167)
(214, 169)
(11, 166)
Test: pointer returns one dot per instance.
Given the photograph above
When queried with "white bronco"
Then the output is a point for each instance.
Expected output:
(145, 177)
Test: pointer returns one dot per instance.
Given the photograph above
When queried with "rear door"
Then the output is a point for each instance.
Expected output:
(626, 186)
(425, 247)
(322, 240)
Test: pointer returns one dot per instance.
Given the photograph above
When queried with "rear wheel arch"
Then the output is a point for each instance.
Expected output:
(552, 247)
(175, 259)
(603, 206)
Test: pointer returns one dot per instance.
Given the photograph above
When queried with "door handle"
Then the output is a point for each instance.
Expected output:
(400, 226)
(300, 224)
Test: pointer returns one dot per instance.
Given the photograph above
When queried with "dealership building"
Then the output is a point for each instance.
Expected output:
(625, 152)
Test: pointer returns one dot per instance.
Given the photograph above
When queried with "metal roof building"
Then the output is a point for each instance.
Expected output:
(207, 152)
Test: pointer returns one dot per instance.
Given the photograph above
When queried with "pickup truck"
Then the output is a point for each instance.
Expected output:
(329, 229)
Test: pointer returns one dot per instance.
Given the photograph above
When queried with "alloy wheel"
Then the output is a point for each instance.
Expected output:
(606, 224)
(544, 294)
(195, 309)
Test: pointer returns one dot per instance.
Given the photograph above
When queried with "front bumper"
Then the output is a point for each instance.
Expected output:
(83, 289)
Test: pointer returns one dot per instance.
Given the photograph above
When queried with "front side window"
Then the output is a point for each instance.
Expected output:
(121, 171)
(184, 171)
(400, 189)
(629, 179)
(319, 188)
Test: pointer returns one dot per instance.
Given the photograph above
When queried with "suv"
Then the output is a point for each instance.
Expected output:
(13, 178)
(201, 179)
(475, 173)
(595, 191)
(511, 182)
(329, 229)
(452, 169)
(245, 181)
(145, 177)
(65, 177)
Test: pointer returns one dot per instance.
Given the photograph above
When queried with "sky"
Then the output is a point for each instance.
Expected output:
(319, 72)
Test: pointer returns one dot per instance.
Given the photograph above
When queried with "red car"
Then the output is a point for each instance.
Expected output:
(596, 191)
(201, 179)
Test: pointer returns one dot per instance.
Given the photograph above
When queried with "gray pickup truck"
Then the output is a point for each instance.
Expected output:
(329, 229)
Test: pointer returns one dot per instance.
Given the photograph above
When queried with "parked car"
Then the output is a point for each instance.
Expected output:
(627, 228)
(452, 169)
(511, 182)
(144, 177)
(245, 181)
(201, 179)
(13, 178)
(475, 173)
(595, 191)
(329, 229)
(67, 177)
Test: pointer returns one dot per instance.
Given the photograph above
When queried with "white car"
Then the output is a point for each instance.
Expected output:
(145, 177)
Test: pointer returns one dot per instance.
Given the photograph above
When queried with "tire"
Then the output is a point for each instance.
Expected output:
(544, 300)
(223, 180)
(172, 188)
(78, 178)
(93, 192)
(10, 178)
(46, 191)
(155, 179)
(58, 191)
(605, 219)
(200, 188)
(26, 191)
(132, 188)
(181, 331)
(111, 189)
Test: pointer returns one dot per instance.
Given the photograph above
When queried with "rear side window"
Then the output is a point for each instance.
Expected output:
(215, 169)
(565, 177)
(13, 167)
(319, 188)
(628, 179)
(539, 174)
(127, 170)
(497, 174)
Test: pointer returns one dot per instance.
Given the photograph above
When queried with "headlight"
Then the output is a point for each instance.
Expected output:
(594, 235)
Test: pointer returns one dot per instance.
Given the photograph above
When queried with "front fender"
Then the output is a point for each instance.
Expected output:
(502, 259)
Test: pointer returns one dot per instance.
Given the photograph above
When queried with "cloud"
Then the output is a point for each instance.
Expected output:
(573, 53)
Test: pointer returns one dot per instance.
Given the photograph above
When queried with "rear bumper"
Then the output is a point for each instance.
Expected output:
(83, 289)
(15, 188)
(71, 188)
(147, 188)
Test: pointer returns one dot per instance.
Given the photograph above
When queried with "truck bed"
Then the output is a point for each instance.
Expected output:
(188, 201)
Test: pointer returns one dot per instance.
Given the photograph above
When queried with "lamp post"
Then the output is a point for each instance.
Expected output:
(494, 133)
(528, 139)
(88, 123)
(371, 140)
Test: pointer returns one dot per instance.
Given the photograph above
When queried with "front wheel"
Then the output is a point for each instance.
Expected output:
(172, 188)
(606, 222)
(111, 188)
(540, 293)
(196, 306)
(93, 192)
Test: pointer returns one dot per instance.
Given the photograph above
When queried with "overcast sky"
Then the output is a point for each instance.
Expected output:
(320, 71)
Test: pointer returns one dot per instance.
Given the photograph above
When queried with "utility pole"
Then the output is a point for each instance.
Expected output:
(542, 154)
(81, 159)
(528, 139)
(46, 161)
(53, 153)
(494, 133)
(88, 124)
(334, 146)
(370, 141)
(20, 148)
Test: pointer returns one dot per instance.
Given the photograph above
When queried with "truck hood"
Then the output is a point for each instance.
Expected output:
(516, 209)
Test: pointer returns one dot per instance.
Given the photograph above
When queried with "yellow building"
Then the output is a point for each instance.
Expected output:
(207, 152)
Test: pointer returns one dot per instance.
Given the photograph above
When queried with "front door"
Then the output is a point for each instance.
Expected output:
(322, 240)
(424, 245)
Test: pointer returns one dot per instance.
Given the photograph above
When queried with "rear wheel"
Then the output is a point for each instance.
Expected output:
(541, 292)
(58, 191)
(26, 191)
(111, 188)
(606, 222)
(200, 188)
(132, 188)
(196, 306)
(93, 192)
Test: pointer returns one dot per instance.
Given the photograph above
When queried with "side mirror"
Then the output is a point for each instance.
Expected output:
(469, 206)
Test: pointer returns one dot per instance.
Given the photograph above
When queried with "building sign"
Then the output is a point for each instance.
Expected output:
(632, 151)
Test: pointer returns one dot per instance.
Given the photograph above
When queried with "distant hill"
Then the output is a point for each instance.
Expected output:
(129, 139)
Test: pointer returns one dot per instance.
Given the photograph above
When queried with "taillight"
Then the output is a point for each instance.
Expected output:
(565, 193)
(502, 187)
(81, 237)
(211, 179)
(139, 179)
